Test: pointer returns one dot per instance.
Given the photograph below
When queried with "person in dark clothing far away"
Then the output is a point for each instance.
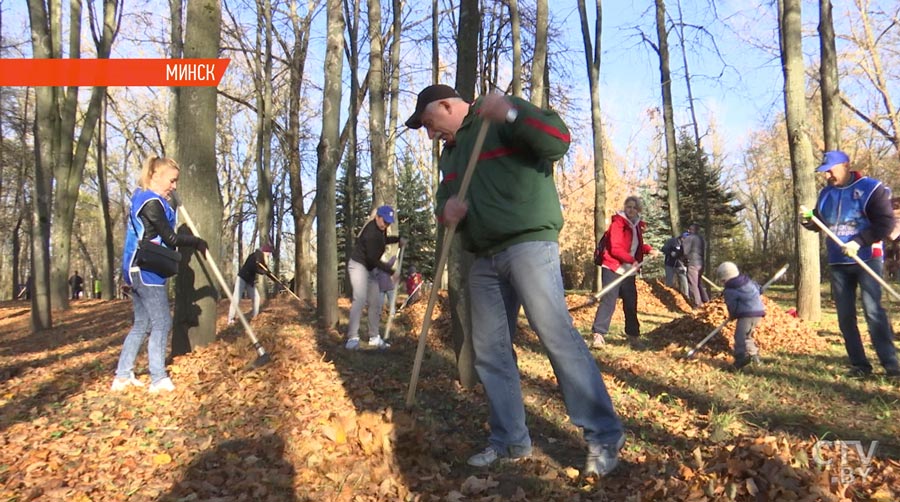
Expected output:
(77, 284)
(246, 280)
(510, 220)
(858, 210)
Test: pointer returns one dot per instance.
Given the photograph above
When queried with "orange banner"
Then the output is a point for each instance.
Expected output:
(112, 72)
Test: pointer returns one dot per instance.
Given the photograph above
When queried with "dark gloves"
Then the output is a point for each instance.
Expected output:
(201, 246)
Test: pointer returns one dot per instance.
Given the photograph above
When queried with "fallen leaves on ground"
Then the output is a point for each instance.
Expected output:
(323, 423)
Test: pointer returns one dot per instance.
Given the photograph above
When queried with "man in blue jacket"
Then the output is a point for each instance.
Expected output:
(858, 210)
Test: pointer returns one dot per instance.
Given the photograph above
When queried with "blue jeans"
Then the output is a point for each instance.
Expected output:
(528, 274)
(240, 286)
(365, 291)
(151, 315)
(844, 279)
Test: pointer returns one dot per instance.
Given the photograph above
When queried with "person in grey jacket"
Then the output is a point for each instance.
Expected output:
(742, 297)
(694, 249)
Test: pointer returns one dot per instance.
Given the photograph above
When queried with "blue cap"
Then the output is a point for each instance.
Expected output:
(387, 213)
(832, 159)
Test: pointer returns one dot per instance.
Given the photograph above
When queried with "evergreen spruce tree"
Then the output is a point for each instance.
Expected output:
(416, 217)
(703, 199)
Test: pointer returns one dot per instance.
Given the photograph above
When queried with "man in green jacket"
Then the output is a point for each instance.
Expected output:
(511, 220)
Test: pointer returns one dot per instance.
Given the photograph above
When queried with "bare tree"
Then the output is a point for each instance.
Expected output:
(64, 156)
(326, 170)
(804, 193)
(384, 186)
(539, 84)
(665, 80)
(828, 78)
(517, 48)
(592, 57)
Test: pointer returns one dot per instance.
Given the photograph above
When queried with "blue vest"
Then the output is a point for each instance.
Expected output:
(134, 233)
(843, 210)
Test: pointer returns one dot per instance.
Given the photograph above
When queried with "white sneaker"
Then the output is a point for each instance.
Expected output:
(378, 342)
(164, 385)
(120, 384)
(598, 342)
(352, 344)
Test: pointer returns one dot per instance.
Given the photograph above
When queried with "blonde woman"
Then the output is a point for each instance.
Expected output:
(151, 222)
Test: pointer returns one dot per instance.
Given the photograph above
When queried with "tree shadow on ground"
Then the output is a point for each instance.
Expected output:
(238, 469)
(83, 319)
(448, 423)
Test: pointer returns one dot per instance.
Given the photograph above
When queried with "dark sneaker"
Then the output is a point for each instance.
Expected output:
(491, 455)
(635, 341)
(602, 459)
(742, 362)
(892, 372)
(857, 372)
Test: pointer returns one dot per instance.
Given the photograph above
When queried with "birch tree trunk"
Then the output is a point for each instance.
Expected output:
(196, 290)
(665, 79)
(328, 152)
(802, 163)
(592, 65)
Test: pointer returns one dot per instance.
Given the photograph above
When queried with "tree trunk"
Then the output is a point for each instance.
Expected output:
(539, 61)
(802, 164)
(302, 220)
(687, 78)
(176, 49)
(828, 79)
(351, 165)
(592, 57)
(196, 290)
(459, 260)
(665, 79)
(384, 185)
(107, 275)
(265, 216)
(45, 135)
(68, 171)
(394, 86)
(516, 48)
(328, 152)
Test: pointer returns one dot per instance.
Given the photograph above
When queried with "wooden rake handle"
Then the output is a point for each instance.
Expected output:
(442, 262)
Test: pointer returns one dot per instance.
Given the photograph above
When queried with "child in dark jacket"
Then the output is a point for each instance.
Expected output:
(742, 297)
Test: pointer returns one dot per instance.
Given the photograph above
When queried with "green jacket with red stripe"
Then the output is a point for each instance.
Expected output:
(512, 196)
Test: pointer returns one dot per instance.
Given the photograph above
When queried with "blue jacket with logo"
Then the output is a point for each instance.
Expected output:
(136, 229)
(859, 211)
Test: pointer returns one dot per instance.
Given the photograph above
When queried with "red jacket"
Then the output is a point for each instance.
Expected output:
(618, 249)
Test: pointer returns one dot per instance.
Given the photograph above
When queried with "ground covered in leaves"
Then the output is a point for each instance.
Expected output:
(322, 423)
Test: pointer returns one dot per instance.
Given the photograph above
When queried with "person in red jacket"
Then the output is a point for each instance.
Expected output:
(624, 249)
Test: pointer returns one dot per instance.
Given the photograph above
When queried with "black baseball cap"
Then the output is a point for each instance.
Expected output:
(428, 95)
